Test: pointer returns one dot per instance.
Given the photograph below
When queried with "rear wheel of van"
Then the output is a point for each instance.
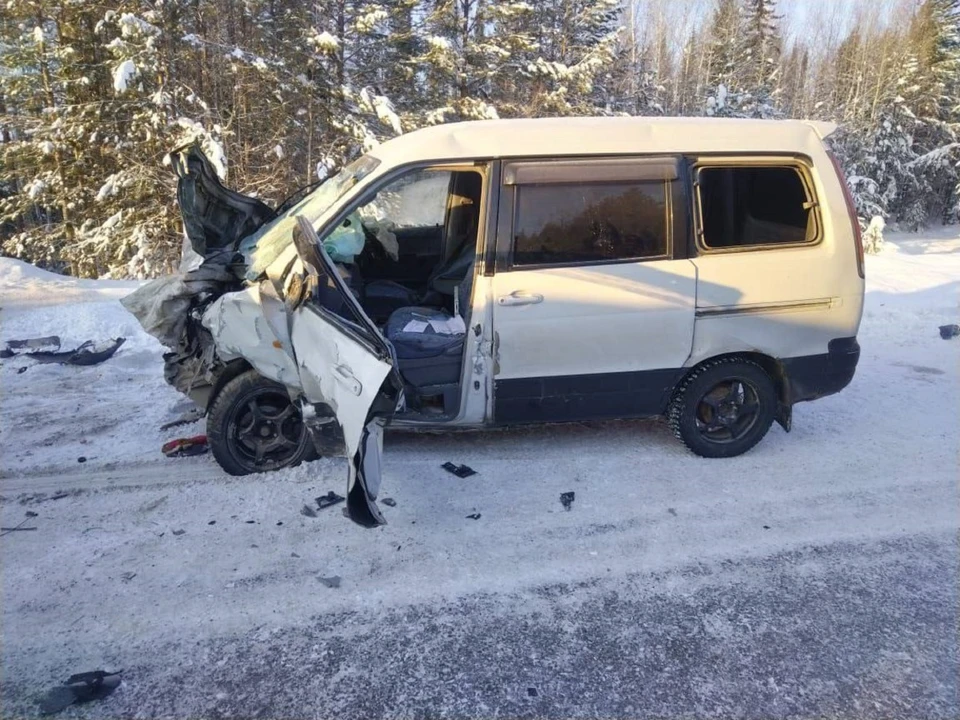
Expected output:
(252, 427)
(723, 408)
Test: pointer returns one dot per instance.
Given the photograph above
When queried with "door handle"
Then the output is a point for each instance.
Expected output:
(520, 297)
(348, 379)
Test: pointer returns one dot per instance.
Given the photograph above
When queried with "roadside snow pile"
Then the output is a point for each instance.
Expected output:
(51, 415)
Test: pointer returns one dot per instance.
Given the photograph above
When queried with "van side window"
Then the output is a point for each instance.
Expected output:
(754, 206)
(596, 222)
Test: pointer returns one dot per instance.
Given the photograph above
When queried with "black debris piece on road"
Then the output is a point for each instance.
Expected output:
(179, 532)
(82, 459)
(389, 502)
(79, 688)
(212, 522)
(21, 371)
(127, 576)
(949, 331)
(331, 498)
(308, 511)
(474, 516)
(89, 353)
(190, 416)
(461, 471)
(31, 513)
(16, 528)
(51, 342)
(60, 495)
(331, 582)
(567, 498)
(532, 692)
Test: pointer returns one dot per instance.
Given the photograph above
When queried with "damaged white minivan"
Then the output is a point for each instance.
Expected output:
(516, 271)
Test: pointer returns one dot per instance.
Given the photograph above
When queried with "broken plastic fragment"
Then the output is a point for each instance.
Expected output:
(80, 688)
(461, 471)
(567, 499)
(331, 582)
(331, 498)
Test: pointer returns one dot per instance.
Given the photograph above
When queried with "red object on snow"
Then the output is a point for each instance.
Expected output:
(184, 447)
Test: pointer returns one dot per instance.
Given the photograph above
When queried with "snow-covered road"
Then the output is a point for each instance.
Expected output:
(817, 575)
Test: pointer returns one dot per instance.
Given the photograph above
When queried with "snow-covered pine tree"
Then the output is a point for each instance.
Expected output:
(725, 67)
(760, 54)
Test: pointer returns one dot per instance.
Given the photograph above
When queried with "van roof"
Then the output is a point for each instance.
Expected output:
(554, 137)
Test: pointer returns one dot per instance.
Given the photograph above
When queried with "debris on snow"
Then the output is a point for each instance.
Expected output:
(186, 447)
(567, 498)
(389, 502)
(80, 688)
(308, 511)
(89, 353)
(949, 331)
(331, 498)
(461, 471)
(331, 582)
(51, 342)
(473, 516)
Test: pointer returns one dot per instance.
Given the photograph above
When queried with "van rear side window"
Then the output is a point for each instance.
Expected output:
(590, 223)
(762, 206)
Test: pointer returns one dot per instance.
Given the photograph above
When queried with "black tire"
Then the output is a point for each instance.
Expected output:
(253, 427)
(723, 408)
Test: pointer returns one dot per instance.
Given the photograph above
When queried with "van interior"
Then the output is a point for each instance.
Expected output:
(419, 294)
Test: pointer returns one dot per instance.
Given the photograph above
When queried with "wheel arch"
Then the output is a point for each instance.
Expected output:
(770, 365)
(231, 370)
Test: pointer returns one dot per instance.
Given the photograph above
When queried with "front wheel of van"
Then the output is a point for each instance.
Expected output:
(723, 408)
(252, 426)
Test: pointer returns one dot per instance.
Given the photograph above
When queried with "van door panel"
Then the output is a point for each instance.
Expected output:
(604, 341)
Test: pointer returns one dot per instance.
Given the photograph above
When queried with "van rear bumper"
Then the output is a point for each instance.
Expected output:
(815, 376)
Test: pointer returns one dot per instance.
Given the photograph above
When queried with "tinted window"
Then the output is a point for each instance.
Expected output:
(751, 206)
(589, 223)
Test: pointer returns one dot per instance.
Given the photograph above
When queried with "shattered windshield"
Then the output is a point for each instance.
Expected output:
(264, 246)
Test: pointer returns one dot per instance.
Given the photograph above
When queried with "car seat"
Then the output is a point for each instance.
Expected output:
(460, 233)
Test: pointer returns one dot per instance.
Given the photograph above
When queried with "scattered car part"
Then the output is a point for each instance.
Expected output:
(190, 416)
(89, 353)
(331, 498)
(389, 502)
(186, 447)
(949, 331)
(253, 426)
(474, 516)
(331, 582)
(461, 471)
(179, 532)
(567, 498)
(80, 688)
(308, 511)
(16, 528)
(51, 342)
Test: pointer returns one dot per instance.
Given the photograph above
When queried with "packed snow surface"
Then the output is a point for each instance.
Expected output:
(723, 569)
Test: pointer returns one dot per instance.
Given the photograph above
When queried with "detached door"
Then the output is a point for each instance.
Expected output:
(593, 311)
(345, 364)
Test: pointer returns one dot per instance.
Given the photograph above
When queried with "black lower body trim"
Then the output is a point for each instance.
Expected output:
(601, 396)
(815, 376)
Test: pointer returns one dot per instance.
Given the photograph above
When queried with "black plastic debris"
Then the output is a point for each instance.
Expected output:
(79, 688)
(212, 522)
(331, 498)
(389, 502)
(461, 471)
(308, 511)
(127, 576)
(190, 416)
(474, 516)
(949, 331)
(31, 513)
(179, 532)
(52, 342)
(81, 459)
(567, 498)
(89, 353)
(331, 582)
(21, 371)
(532, 692)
